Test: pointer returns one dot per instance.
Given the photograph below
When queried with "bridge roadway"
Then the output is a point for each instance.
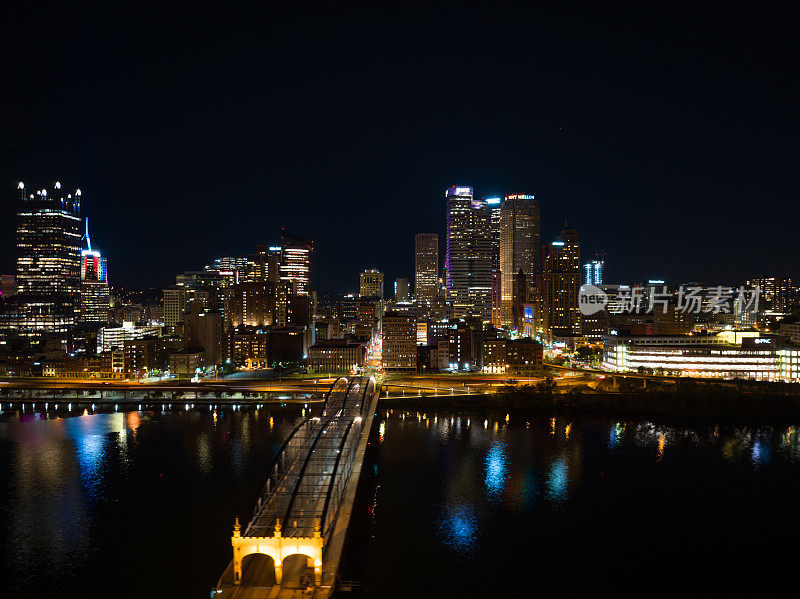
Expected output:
(292, 544)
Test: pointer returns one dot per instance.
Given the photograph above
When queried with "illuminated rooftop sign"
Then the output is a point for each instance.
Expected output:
(493, 201)
(459, 191)
(518, 196)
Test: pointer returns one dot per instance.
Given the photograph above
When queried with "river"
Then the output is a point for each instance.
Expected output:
(141, 504)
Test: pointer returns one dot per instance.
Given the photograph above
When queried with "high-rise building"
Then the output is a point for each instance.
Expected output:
(229, 264)
(399, 342)
(561, 280)
(174, 305)
(95, 303)
(468, 260)
(371, 283)
(776, 293)
(494, 205)
(295, 264)
(426, 267)
(48, 258)
(519, 255)
(401, 290)
(251, 304)
(593, 272)
(204, 330)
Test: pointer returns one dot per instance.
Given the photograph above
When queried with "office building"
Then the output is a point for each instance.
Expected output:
(371, 283)
(468, 259)
(426, 267)
(726, 355)
(519, 255)
(295, 263)
(109, 338)
(174, 305)
(95, 302)
(494, 205)
(593, 272)
(203, 330)
(776, 293)
(520, 356)
(561, 281)
(336, 356)
(48, 259)
(402, 291)
(251, 305)
(399, 342)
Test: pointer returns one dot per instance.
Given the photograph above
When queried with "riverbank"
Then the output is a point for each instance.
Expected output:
(706, 402)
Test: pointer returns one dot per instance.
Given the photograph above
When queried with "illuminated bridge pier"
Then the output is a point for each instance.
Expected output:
(295, 537)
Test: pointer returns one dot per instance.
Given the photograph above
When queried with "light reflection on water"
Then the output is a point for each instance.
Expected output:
(85, 495)
(496, 470)
(531, 468)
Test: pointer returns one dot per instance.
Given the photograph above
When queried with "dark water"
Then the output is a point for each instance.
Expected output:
(516, 505)
(141, 504)
(128, 505)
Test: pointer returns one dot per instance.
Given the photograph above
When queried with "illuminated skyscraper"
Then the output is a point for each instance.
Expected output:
(95, 301)
(370, 283)
(48, 258)
(174, 305)
(426, 267)
(468, 260)
(593, 272)
(519, 253)
(296, 262)
(561, 280)
(493, 205)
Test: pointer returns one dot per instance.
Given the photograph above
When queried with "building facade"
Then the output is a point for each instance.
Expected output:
(426, 267)
(520, 239)
(561, 281)
(726, 355)
(48, 258)
(174, 305)
(468, 260)
(370, 283)
(399, 341)
(336, 356)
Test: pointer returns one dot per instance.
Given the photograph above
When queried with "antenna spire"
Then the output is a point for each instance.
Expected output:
(86, 236)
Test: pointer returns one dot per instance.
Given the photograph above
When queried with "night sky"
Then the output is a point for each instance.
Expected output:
(667, 137)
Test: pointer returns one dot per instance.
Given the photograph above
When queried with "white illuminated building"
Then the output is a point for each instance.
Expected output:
(726, 355)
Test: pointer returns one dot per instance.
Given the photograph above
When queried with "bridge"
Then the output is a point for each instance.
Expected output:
(295, 537)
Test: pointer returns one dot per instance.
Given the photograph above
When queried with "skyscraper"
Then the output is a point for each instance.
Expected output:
(48, 258)
(468, 260)
(370, 283)
(296, 262)
(493, 205)
(426, 267)
(401, 290)
(593, 272)
(95, 300)
(174, 305)
(561, 280)
(519, 253)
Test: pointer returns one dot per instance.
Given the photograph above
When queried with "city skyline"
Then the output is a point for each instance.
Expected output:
(694, 124)
(368, 283)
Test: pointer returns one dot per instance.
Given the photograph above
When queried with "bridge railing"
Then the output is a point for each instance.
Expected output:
(305, 485)
(290, 458)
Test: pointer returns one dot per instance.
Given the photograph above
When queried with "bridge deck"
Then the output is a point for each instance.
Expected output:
(303, 495)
